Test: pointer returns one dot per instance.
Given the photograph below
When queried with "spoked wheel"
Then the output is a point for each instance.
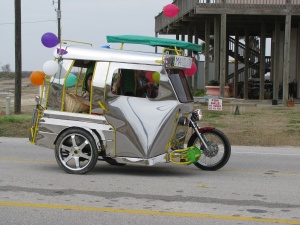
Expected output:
(218, 152)
(76, 151)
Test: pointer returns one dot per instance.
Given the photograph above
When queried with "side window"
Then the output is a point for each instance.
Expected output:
(180, 85)
(137, 83)
(78, 87)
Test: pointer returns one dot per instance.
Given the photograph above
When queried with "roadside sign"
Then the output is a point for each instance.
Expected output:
(215, 104)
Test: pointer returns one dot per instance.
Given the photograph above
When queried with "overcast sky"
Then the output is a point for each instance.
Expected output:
(82, 20)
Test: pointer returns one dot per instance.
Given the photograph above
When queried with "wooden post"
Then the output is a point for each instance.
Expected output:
(262, 64)
(217, 48)
(236, 65)
(286, 55)
(18, 57)
(276, 66)
(298, 63)
(196, 78)
(190, 39)
(58, 21)
(206, 63)
(246, 70)
(223, 57)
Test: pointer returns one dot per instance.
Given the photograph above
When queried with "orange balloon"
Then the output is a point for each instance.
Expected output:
(37, 78)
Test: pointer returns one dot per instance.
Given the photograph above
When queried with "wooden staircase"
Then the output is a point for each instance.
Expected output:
(254, 62)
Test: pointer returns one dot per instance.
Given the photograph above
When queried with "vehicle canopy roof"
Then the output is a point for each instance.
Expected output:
(153, 41)
(78, 52)
(108, 55)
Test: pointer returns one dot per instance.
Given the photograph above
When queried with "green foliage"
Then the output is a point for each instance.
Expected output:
(213, 83)
(15, 125)
(199, 93)
(294, 121)
(15, 119)
(213, 115)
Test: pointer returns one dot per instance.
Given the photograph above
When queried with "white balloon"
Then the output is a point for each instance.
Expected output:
(63, 68)
(50, 67)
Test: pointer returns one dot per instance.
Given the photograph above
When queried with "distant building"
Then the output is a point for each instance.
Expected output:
(223, 23)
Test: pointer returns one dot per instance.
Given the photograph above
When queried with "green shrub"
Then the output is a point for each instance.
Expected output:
(199, 93)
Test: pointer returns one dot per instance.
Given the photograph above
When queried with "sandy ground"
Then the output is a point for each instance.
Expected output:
(28, 93)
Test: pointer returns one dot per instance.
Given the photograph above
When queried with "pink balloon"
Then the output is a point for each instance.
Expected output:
(149, 76)
(171, 10)
(191, 71)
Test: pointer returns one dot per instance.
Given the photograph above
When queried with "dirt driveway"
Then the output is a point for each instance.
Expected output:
(28, 93)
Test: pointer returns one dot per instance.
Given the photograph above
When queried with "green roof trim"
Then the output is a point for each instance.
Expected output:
(153, 41)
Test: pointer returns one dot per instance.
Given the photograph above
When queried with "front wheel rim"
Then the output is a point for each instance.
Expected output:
(215, 152)
(75, 152)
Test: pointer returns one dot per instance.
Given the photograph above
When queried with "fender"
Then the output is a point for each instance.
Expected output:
(205, 128)
(97, 141)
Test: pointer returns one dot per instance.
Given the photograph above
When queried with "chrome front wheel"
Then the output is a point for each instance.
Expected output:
(76, 151)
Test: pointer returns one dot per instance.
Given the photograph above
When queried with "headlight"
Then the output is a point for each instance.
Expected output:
(183, 121)
(37, 99)
(196, 115)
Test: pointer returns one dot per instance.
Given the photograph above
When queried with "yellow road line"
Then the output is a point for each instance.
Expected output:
(149, 212)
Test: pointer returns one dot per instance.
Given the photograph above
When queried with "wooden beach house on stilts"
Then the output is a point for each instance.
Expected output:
(254, 22)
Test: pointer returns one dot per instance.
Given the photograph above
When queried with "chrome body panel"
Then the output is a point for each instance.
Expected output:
(144, 127)
(140, 161)
(52, 123)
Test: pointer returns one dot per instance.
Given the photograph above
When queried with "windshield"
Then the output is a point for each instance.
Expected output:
(180, 85)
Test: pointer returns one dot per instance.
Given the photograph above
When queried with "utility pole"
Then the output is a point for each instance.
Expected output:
(58, 16)
(58, 20)
(18, 57)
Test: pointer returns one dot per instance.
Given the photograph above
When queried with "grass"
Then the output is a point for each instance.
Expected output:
(15, 125)
(256, 126)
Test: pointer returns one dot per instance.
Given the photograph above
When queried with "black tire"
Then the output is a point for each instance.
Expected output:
(76, 151)
(219, 149)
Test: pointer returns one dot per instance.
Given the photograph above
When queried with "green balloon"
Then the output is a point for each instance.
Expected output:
(155, 77)
(71, 80)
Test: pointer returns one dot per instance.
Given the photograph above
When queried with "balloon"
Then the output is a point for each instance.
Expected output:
(171, 10)
(71, 80)
(191, 71)
(61, 51)
(149, 76)
(105, 46)
(155, 77)
(63, 68)
(50, 67)
(49, 40)
(37, 78)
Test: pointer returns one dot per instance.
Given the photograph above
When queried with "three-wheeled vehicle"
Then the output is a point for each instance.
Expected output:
(124, 120)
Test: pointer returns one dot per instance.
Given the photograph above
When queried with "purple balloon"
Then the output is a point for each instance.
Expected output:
(61, 51)
(49, 40)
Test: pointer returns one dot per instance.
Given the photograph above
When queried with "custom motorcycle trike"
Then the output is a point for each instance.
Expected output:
(116, 121)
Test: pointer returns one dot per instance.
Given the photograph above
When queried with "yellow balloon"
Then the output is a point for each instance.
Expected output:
(155, 77)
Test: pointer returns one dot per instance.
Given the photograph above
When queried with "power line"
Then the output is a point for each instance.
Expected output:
(39, 21)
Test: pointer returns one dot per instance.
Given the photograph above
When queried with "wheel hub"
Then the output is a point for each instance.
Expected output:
(212, 150)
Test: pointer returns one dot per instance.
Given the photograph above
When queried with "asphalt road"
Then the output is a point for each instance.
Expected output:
(257, 186)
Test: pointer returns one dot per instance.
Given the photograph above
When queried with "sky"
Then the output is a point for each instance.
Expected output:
(82, 20)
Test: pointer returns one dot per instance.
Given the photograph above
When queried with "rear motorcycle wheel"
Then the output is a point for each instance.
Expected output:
(218, 152)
